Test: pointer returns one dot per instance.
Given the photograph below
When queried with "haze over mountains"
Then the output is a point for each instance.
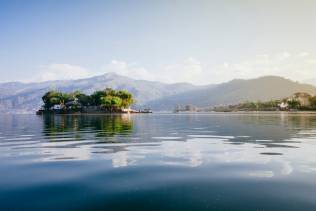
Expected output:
(26, 97)
(236, 91)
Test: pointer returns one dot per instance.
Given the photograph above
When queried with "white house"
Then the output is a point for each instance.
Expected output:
(283, 106)
(57, 107)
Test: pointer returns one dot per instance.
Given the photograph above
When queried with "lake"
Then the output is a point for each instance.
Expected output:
(158, 162)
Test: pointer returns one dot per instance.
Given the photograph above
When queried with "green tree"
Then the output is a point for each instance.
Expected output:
(96, 97)
(111, 102)
(85, 100)
(313, 102)
(294, 104)
(116, 102)
(127, 98)
(106, 101)
(51, 98)
(64, 98)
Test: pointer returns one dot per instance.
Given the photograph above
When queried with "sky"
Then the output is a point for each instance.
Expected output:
(195, 41)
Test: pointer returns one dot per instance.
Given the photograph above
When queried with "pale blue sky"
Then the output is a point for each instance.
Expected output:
(171, 41)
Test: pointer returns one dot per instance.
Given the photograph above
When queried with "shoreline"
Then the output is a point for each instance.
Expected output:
(90, 114)
(253, 113)
(41, 113)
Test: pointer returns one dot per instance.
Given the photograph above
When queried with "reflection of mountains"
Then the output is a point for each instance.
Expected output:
(272, 131)
(268, 130)
(85, 127)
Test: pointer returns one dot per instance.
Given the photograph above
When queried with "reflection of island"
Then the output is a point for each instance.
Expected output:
(83, 127)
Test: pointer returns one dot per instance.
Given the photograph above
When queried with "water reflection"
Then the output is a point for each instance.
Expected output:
(79, 127)
(182, 140)
(235, 158)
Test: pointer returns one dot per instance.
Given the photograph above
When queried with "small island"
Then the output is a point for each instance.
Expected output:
(105, 101)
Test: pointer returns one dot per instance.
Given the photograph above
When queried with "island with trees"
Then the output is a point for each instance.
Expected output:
(104, 101)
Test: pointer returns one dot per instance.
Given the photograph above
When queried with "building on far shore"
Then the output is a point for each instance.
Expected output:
(283, 106)
(186, 108)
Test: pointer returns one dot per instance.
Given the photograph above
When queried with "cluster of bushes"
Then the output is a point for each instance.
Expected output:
(260, 106)
(313, 102)
(296, 104)
(109, 99)
(251, 106)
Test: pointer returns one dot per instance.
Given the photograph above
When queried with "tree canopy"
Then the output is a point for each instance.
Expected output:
(109, 99)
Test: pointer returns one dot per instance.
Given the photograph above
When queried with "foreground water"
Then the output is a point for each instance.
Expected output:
(158, 162)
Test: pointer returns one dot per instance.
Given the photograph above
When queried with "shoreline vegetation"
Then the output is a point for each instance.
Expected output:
(108, 101)
(298, 102)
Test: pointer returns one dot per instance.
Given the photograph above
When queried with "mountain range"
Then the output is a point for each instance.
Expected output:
(17, 97)
(234, 92)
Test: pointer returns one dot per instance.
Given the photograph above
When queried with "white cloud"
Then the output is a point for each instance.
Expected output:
(186, 71)
(284, 55)
(303, 54)
(129, 70)
(298, 67)
(61, 72)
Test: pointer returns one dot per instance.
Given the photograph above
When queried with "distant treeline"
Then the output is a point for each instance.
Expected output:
(299, 101)
(108, 99)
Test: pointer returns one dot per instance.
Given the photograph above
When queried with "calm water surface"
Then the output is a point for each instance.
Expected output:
(158, 162)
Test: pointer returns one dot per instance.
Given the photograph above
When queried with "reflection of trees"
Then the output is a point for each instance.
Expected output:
(269, 130)
(290, 124)
(112, 125)
(300, 122)
(81, 125)
(288, 119)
